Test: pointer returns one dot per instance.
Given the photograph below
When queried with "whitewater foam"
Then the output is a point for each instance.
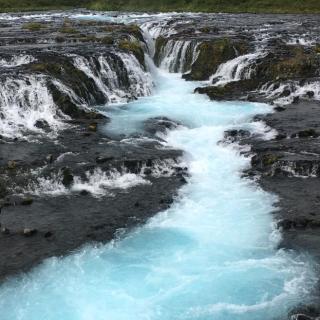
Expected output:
(16, 61)
(212, 255)
(239, 68)
(23, 102)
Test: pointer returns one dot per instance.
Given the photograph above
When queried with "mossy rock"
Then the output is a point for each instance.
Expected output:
(294, 62)
(159, 45)
(33, 26)
(133, 47)
(63, 70)
(212, 54)
(51, 68)
(214, 93)
(269, 159)
(89, 38)
(68, 30)
(108, 40)
(133, 30)
(231, 91)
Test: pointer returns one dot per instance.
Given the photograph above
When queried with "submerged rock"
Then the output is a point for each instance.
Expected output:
(27, 232)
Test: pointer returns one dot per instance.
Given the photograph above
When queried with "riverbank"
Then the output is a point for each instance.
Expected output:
(59, 171)
(246, 6)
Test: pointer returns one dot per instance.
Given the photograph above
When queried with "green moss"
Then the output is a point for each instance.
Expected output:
(68, 29)
(205, 29)
(33, 26)
(108, 40)
(298, 64)
(212, 54)
(269, 159)
(254, 6)
(89, 38)
(159, 45)
(134, 47)
(52, 68)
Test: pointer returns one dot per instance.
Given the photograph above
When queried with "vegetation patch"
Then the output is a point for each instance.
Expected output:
(33, 26)
(212, 54)
(134, 47)
(254, 6)
(67, 29)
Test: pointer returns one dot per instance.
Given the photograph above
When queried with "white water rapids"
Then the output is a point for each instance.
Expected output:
(212, 255)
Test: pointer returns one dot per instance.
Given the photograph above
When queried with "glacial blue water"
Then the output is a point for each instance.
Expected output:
(210, 256)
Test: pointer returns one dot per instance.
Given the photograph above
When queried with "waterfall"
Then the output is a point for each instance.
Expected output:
(239, 68)
(158, 28)
(15, 61)
(178, 55)
(140, 81)
(23, 102)
(119, 77)
(104, 78)
(79, 101)
(309, 89)
(26, 99)
(211, 255)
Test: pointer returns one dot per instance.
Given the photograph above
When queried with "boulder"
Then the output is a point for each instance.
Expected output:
(212, 53)
(27, 232)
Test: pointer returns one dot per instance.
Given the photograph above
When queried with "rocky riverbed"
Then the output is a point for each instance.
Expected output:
(275, 60)
(65, 181)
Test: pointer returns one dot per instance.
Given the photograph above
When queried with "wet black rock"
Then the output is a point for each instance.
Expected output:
(213, 53)
(236, 135)
(27, 232)
(159, 125)
(290, 168)
(26, 201)
(42, 124)
(68, 178)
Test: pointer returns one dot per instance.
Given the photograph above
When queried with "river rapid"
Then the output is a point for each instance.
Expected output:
(212, 255)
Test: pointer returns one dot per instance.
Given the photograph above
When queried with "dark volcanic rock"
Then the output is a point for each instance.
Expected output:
(238, 90)
(212, 54)
(290, 168)
(159, 124)
(43, 225)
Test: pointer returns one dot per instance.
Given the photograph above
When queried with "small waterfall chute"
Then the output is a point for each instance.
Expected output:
(178, 55)
(239, 68)
(24, 102)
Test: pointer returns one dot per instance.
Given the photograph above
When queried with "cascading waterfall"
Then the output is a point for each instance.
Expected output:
(16, 61)
(173, 55)
(310, 89)
(23, 102)
(79, 101)
(239, 68)
(111, 79)
(141, 83)
(105, 79)
(212, 255)
(158, 28)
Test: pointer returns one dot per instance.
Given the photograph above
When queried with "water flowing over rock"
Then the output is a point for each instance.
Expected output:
(95, 140)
